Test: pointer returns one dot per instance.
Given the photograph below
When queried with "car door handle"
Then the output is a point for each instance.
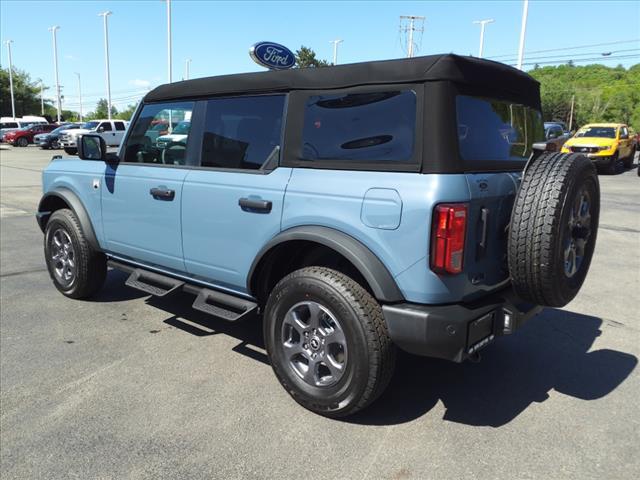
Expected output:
(255, 205)
(160, 193)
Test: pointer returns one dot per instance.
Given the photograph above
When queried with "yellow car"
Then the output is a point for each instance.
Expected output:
(606, 144)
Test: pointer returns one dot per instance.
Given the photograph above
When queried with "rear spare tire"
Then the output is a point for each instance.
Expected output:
(553, 228)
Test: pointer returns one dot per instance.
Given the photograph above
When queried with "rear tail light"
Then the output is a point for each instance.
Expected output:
(447, 237)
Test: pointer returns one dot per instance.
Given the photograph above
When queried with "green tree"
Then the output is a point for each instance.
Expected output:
(26, 94)
(305, 58)
(127, 113)
(601, 93)
(101, 111)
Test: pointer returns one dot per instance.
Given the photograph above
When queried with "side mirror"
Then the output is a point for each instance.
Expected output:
(92, 147)
(624, 137)
(100, 129)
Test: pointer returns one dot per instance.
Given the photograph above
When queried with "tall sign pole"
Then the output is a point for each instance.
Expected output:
(104, 16)
(80, 95)
(523, 31)
(13, 103)
(53, 31)
(169, 40)
(335, 50)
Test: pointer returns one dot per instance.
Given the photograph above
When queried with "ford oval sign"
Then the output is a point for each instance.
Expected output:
(272, 56)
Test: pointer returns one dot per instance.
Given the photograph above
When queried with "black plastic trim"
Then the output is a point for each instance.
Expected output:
(445, 331)
(75, 204)
(380, 280)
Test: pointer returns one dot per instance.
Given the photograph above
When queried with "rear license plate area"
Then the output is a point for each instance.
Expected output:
(480, 332)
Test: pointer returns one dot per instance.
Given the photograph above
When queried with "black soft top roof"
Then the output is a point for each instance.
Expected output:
(474, 72)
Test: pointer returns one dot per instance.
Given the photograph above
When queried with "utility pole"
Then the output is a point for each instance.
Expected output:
(169, 39)
(523, 31)
(573, 98)
(53, 31)
(335, 50)
(186, 68)
(104, 16)
(13, 103)
(80, 95)
(482, 24)
(411, 28)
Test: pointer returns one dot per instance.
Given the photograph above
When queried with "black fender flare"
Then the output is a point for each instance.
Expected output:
(382, 283)
(75, 204)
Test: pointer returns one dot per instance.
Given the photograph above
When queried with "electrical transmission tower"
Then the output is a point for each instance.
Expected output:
(408, 25)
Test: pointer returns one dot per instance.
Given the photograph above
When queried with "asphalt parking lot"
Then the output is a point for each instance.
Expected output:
(128, 386)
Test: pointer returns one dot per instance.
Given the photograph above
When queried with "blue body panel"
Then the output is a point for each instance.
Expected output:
(221, 240)
(78, 176)
(203, 233)
(137, 225)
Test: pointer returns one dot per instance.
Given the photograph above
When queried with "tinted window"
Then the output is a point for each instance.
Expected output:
(9, 125)
(496, 130)
(360, 126)
(242, 132)
(148, 143)
(106, 126)
(597, 132)
(119, 125)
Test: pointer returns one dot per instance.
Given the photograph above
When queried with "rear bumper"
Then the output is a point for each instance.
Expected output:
(455, 332)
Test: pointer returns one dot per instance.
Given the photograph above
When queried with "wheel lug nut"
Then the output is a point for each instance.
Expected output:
(305, 346)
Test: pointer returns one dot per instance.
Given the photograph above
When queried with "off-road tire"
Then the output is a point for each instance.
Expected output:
(71, 151)
(90, 265)
(371, 354)
(538, 231)
(613, 167)
(628, 161)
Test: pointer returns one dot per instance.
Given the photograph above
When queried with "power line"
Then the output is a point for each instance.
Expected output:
(578, 60)
(567, 48)
(586, 54)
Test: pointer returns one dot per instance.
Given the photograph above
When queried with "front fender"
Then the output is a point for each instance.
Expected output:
(54, 200)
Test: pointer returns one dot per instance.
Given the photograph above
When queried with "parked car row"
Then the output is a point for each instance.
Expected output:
(8, 124)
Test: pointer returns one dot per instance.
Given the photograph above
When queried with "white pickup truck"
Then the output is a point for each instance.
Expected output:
(111, 130)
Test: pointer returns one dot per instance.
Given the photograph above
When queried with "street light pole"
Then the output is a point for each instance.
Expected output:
(104, 16)
(482, 24)
(335, 50)
(41, 97)
(80, 95)
(186, 68)
(523, 31)
(53, 31)
(169, 39)
(13, 103)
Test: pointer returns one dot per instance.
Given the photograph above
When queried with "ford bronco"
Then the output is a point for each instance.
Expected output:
(354, 209)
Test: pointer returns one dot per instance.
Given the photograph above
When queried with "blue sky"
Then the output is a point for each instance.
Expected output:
(217, 36)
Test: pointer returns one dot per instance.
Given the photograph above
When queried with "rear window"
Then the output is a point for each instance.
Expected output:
(496, 130)
(375, 126)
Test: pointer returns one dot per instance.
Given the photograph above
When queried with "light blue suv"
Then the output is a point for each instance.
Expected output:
(354, 209)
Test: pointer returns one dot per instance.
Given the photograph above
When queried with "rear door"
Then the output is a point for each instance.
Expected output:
(495, 140)
(142, 194)
(232, 204)
(119, 131)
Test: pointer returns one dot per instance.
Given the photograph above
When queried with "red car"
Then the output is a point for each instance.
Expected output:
(24, 136)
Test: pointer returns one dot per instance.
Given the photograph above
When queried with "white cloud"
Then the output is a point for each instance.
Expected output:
(70, 57)
(140, 83)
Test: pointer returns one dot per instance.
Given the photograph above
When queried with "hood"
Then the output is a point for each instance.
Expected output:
(77, 131)
(589, 142)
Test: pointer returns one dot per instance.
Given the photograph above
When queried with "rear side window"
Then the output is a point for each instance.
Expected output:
(496, 130)
(9, 125)
(242, 132)
(119, 125)
(374, 126)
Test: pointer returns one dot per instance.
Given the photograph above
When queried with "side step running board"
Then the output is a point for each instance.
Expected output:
(222, 305)
(153, 283)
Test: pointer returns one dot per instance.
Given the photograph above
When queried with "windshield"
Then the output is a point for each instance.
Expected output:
(90, 125)
(597, 132)
(182, 128)
(64, 127)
